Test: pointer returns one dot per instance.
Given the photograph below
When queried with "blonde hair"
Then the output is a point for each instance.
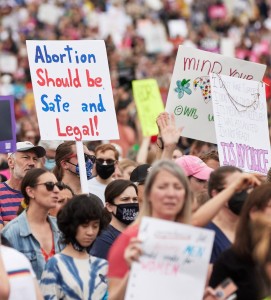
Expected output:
(184, 215)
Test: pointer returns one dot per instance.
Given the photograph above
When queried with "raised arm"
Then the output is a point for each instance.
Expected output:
(169, 134)
(209, 210)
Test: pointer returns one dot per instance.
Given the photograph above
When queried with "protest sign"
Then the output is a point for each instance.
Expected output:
(72, 90)
(7, 125)
(189, 96)
(175, 258)
(240, 115)
(149, 104)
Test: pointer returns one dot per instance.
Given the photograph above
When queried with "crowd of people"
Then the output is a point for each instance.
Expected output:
(68, 245)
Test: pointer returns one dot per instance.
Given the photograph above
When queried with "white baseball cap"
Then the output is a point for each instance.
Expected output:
(28, 146)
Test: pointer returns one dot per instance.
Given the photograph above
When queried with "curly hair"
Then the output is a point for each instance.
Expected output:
(81, 209)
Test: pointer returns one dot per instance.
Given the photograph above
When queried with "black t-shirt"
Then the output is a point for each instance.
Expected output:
(242, 272)
(104, 241)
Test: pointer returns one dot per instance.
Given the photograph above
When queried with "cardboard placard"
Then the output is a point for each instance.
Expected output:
(175, 258)
(189, 96)
(149, 104)
(240, 115)
(7, 125)
(72, 90)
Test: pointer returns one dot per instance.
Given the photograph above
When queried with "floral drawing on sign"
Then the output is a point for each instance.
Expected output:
(182, 87)
(203, 83)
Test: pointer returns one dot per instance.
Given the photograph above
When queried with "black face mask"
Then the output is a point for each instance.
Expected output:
(237, 201)
(105, 171)
(127, 212)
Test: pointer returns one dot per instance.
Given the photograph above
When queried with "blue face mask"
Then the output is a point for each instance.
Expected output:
(89, 166)
(49, 163)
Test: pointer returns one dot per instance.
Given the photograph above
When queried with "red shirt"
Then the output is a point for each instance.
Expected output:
(117, 264)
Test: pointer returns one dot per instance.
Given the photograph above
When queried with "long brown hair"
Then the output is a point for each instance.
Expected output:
(63, 151)
(257, 200)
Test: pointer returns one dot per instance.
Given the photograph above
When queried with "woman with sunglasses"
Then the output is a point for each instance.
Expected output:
(34, 232)
(67, 168)
(121, 202)
(73, 273)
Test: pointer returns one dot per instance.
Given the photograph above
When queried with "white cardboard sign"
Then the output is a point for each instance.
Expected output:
(174, 261)
(241, 125)
(72, 89)
(189, 96)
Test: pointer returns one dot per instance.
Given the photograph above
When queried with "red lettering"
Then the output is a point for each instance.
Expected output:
(92, 82)
(69, 130)
(40, 82)
(58, 128)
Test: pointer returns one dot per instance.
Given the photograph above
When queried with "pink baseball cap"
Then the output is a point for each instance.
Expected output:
(194, 166)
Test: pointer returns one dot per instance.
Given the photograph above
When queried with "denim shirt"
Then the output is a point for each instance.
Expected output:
(18, 234)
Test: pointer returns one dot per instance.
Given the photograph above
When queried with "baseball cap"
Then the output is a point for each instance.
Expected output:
(194, 166)
(27, 146)
(140, 173)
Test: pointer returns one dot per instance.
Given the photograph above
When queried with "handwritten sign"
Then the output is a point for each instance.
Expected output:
(175, 259)
(149, 104)
(241, 125)
(189, 96)
(72, 90)
(7, 125)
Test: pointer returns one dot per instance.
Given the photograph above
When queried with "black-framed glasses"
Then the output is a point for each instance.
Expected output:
(50, 185)
(108, 161)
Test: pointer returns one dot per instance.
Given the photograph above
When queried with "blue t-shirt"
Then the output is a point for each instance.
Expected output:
(221, 242)
(104, 241)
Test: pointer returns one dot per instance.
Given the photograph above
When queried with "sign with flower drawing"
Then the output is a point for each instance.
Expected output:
(190, 96)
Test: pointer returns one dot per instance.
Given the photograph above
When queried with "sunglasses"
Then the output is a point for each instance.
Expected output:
(108, 161)
(87, 157)
(50, 185)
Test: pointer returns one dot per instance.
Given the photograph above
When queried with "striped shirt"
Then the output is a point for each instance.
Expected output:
(10, 201)
(68, 278)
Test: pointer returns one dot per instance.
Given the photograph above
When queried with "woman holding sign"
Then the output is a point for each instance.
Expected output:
(167, 197)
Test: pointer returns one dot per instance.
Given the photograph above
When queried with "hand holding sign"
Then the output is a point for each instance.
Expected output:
(133, 251)
(174, 257)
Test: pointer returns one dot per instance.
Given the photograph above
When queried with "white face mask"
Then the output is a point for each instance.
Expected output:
(49, 163)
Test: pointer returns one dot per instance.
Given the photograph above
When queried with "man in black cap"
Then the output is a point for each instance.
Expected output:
(25, 158)
(138, 176)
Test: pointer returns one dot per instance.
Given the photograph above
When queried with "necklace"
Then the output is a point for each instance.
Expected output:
(254, 102)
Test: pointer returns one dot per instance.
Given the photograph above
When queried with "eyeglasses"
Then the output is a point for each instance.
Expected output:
(87, 157)
(108, 161)
(50, 185)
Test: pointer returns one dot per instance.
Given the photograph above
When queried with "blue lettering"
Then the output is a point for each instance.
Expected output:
(39, 55)
(46, 108)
